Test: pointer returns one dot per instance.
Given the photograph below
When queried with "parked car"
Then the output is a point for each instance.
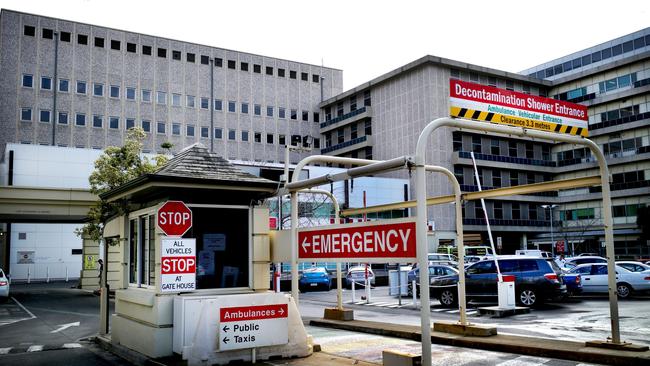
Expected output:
(594, 279)
(469, 259)
(358, 276)
(588, 255)
(437, 258)
(574, 261)
(534, 253)
(536, 280)
(435, 270)
(633, 266)
(314, 278)
(4, 286)
(573, 282)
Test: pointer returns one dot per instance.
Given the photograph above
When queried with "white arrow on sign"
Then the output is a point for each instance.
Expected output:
(305, 244)
(65, 326)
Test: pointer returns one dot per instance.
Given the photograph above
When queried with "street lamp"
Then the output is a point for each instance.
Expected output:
(550, 209)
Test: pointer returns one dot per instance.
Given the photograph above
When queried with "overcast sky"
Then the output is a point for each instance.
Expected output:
(369, 38)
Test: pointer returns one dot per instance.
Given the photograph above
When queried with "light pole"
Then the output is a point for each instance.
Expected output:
(550, 209)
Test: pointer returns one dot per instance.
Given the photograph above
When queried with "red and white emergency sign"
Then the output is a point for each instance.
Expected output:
(174, 218)
(377, 241)
(491, 104)
(252, 326)
(178, 265)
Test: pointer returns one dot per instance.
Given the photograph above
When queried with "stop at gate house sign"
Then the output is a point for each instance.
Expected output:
(178, 265)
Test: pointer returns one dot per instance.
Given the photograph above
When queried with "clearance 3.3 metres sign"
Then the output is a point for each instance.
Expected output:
(376, 241)
(490, 104)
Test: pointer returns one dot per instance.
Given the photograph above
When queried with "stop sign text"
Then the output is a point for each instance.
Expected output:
(174, 218)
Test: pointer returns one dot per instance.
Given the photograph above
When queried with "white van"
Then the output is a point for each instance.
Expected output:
(534, 253)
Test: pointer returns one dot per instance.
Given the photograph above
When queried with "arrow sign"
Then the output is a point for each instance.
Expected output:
(226, 340)
(305, 244)
(63, 327)
(225, 328)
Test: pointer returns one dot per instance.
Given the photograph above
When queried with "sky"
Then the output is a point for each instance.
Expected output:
(367, 39)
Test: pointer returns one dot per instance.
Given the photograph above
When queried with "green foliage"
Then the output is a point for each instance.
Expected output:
(116, 166)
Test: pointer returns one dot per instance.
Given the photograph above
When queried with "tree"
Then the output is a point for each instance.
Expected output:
(116, 166)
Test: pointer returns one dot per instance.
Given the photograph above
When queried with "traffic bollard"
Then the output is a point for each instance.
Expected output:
(414, 292)
(29, 275)
(47, 274)
(367, 291)
(354, 297)
(66, 273)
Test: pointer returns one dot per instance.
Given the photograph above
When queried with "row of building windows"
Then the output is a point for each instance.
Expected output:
(493, 81)
(626, 210)
(161, 52)
(162, 98)
(515, 212)
(497, 149)
(367, 101)
(618, 49)
(620, 82)
(354, 133)
(499, 177)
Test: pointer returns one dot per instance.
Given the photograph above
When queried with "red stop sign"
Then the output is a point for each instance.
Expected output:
(174, 218)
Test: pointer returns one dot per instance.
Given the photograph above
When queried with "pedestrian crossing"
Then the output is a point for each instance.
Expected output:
(408, 305)
(38, 348)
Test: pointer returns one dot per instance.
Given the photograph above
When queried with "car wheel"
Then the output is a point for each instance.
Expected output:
(624, 290)
(528, 297)
(447, 298)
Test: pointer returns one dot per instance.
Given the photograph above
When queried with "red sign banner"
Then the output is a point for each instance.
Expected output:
(245, 313)
(378, 240)
(174, 218)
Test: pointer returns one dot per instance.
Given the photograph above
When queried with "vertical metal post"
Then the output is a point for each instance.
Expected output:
(399, 285)
(55, 86)
(550, 210)
(422, 248)
(294, 246)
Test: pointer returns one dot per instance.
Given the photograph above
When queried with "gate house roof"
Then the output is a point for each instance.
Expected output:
(195, 166)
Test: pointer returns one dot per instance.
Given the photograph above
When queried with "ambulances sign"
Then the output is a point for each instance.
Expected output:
(252, 326)
(377, 241)
(490, 104)
(178, 265)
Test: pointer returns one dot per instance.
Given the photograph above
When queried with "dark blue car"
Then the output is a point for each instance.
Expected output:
(573, 283)
(314, 278)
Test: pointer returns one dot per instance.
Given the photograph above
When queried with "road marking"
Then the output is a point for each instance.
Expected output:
(71, 345)
(24, 308)
(454, 311)
(35, 348)
(439, 310)
(65, 326)
(4, 351)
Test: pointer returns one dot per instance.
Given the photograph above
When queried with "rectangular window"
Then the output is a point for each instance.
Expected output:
(28, 81)
(512, 149)
(115, 91)
(269, 111)
(353, 131)
(305, 116)
(46, 83)
(243, 66)
(146, 50)
(257, 137)
(304, 76)
(368, 128)
(476, 144)
(498, 210)
(218, 133)
(269, 138)
(218, 62)
(205, 103)
(257, 110)
(530, 152)
(282, 139)
(82, 39)
(189, 130)
(146, 125)
(44, 116)
(315, 78)
(204, 132)
(98, 89)
(142, 253)
(292, 74)
(205, 60)
(218, 105)
(64, 85)
(232, 135)
(257, 68)
(281, 72)
(161, 97)
(514, 178)
(340, 136)
(131, 47)
(232, 64)
(516, 211)
(99, 42)
(160, 128)
(367, 101)
(115, 45)
(190, 57)
(63, 118)
(130, 123)
(98, 121)
(457, 140)
(189, 101)
(294, 114)
(316, 116)
(244, 108)
(532, 211)
(282, 112)
(146, 96)
(114, 123)
(232, 106)
(176, 100)
(162, 52)
(244, 136)
(176, 55)
(496, 178)
(316, 143)
(29, 30)
(47, 33)
(80, 119)
(26, 114)
(269, 70)
(495, 147)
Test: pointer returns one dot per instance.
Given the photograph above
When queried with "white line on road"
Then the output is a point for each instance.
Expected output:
(24, 308)
(65, 326)
(35, 348)
(71, 345)
(4, 351)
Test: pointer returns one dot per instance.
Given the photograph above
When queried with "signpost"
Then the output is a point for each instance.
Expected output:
(377, 241)
(174, 218)
(178, 265)
(253, 326)
(490, 104)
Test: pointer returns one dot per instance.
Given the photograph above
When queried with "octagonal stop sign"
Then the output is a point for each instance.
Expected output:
(174, 218)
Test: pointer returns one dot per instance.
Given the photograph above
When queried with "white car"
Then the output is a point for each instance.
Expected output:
(633, 266)
(594, 279)
(358, 276)
(4, 286)
(572, 262)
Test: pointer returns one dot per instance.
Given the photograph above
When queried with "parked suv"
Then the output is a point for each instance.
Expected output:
(536, 280)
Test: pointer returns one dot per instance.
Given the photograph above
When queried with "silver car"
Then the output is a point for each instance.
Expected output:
(4, 286)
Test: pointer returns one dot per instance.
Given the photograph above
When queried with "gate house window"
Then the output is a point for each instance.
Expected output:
(222, 246)
(142, 252)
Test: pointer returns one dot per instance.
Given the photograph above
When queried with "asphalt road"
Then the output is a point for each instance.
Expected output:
(48, 324)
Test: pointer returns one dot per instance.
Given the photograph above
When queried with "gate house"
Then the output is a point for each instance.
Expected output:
(232, 243)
